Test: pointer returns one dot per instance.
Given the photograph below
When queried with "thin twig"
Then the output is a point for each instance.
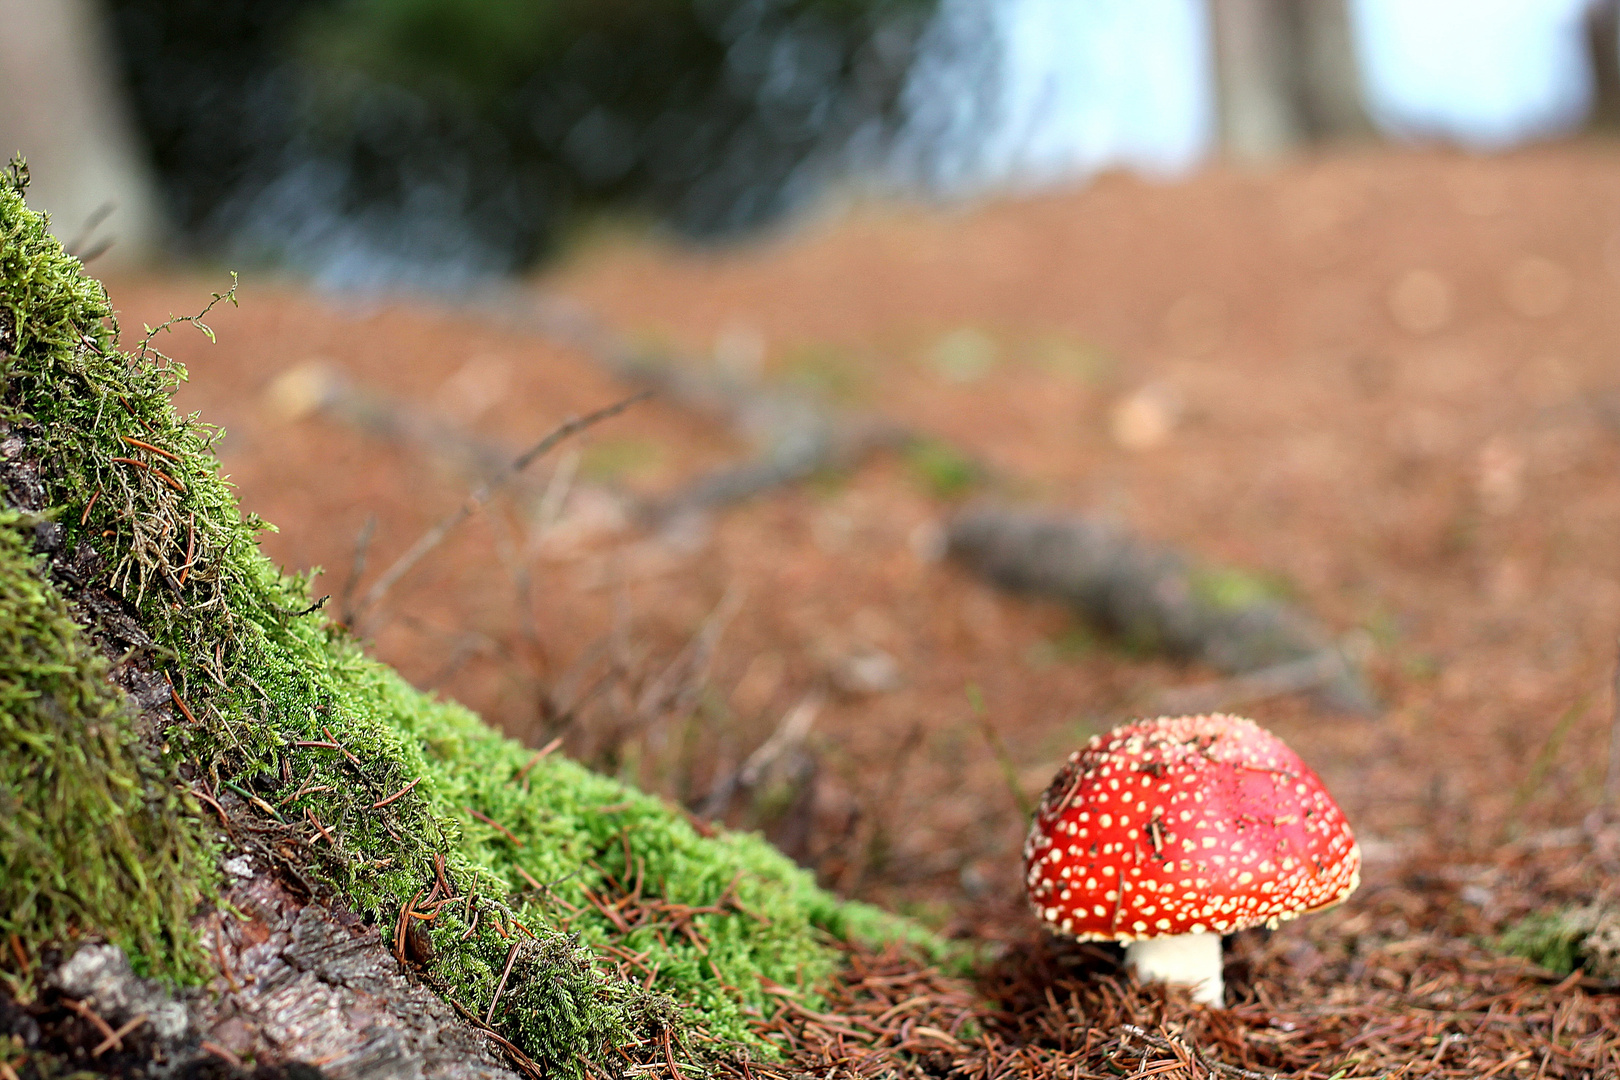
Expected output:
(688, 672)
(872, 824)
(191, 545)
(401, 925)
(220, 1052)
(789, 735)
(90, 1014)
(315, 821)
(481, 497)
(159, 473)
(179, 704)
(1158, 1042)
(254, 799)
(998, 749)
(357, 568)
(539, 755)
(669, 1056)
(344, 750)
(21, 953)
(380, 803)
(500, 987)
(78, 246)
(117, 1037)
(149, 446)
(224, 818)
(492, 823)
(441, 879)
(1611, 785)
(524, 1061)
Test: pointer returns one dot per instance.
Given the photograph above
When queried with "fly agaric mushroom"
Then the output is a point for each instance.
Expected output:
(1165, 834)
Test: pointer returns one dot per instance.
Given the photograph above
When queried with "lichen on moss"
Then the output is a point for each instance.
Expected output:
(386, 794)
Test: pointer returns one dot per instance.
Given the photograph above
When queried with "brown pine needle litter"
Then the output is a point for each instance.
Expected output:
(1402, 981)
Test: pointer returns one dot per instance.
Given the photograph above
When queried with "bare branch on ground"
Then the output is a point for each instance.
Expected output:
(1157, 598)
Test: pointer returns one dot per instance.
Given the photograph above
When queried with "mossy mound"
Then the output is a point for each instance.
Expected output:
(393, 799)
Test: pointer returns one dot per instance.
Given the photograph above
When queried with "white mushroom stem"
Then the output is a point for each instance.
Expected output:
(1184, 959)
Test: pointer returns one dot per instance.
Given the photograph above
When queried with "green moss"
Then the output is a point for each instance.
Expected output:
(828, 372)
(91, 839)
(1551, 939)
(1561, 940)
(1227, 589)
(964, 355)
(269, 687)
(941, 469)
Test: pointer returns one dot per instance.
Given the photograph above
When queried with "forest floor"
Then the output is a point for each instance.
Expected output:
(1383, 382)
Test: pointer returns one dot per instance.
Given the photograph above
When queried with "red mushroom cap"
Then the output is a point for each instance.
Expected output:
(1191, 824)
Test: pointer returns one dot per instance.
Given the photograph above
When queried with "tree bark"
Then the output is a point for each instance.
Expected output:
(62, 107)
(1327, 76)
(1286, 75)
(1602, 25)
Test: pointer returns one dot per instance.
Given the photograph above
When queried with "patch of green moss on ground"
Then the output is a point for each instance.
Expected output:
(269, 688)
(1227, 589)
(91, 837)
(1564, 939)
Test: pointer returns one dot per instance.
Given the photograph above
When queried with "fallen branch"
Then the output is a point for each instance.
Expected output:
(796, 437)
(1306, 675)
(310, 389)
(1155, 597)
(793, 455)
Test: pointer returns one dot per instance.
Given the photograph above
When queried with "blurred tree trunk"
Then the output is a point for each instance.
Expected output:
(1286, 75)
(62, 107)
(1603, 53)
(1329, 79)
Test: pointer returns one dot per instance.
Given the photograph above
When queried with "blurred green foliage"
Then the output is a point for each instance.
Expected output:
(490, 48)
(1071, 644)
(829, 372)
(1225, 588)
(965, 355)
(941, 469)
(505, 118)
(619, 459)
(1072, 358)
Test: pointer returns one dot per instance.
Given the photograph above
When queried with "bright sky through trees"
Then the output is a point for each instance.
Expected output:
(1086, 84)
(1482, 72)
